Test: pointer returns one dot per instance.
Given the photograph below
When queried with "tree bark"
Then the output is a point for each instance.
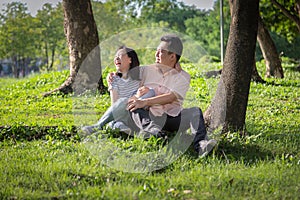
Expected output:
(84, 51)
(255, 75)
(269, 51)
(228, 108)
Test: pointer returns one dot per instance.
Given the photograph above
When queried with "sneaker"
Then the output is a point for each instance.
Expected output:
(122, 127)
(88, 130)
(205, 146)
(152, 132)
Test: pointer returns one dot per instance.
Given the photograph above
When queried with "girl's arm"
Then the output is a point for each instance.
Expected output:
(113, 96)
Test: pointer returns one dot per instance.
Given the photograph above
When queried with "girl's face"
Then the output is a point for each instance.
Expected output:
(122, 61)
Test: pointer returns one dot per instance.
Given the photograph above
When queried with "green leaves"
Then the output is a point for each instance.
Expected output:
(24, 36)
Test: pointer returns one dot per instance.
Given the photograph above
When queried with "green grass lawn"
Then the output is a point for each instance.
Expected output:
(42, 157)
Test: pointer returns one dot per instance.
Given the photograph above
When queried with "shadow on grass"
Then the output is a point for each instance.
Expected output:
(238, 150)
(29, 133)
(247, 153)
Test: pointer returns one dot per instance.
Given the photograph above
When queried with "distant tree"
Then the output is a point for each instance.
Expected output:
(173, 12)
(228, 108)
(17, 36)
(109, 19)
(51, 32)
(205, 28)
(84, 51)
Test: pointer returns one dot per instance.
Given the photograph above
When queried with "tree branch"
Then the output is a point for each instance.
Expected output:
(287, 13)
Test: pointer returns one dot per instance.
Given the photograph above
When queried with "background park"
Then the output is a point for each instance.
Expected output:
(42, 154)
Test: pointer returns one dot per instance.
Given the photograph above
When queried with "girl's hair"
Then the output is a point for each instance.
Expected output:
(131, 54)
(133, 73)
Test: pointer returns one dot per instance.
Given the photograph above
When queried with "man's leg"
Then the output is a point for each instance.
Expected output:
(148, 124)
(194, 117)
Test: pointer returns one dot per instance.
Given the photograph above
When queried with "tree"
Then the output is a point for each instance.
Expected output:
(292, 11)
(282, 17)
(155, 11)
(51, 32)
(109, 20)
(84, 51)
(286, 25)
(229, 105)
(17, 36)
(269, 51)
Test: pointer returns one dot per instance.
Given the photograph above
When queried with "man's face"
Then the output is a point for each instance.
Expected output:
(165, 57)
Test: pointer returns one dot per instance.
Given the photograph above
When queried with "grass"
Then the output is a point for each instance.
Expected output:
(41, 157)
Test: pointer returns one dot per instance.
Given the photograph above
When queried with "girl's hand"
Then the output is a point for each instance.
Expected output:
(109, 77)
(141, 91)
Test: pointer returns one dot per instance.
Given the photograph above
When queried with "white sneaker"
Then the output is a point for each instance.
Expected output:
(205, 146)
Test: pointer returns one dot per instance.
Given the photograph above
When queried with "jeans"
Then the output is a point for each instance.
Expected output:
(188, 118)
(118, 112)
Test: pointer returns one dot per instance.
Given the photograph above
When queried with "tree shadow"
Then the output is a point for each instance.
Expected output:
(283, 84)
(247, 153)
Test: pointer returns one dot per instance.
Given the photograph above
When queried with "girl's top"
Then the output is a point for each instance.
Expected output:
(124, 87)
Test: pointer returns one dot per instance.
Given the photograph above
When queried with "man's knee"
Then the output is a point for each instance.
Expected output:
(193, 111)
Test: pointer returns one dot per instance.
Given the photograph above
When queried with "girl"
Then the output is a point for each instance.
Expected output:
(125, 83)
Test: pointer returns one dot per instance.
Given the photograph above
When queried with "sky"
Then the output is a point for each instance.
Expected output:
(34, 5)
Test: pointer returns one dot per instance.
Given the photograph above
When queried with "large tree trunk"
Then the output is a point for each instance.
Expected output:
(228, 108)
(84, 52)
(269, 51)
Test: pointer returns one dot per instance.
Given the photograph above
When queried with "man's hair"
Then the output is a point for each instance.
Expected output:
(174, 44)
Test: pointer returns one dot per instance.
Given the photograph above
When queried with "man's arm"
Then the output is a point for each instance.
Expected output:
(163, 99)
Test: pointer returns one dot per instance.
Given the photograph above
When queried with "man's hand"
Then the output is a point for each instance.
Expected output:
(134, 104)
(178, 67)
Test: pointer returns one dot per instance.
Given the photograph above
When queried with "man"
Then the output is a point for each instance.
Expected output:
(165, 112)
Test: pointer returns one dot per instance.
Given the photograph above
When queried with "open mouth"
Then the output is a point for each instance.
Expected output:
(117, 63)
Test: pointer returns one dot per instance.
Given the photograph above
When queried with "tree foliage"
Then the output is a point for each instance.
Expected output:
(277, 21)
(50, 25)
(24, 36)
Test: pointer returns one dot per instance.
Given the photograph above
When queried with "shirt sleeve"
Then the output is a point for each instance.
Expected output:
(142, 75)
(181, 84)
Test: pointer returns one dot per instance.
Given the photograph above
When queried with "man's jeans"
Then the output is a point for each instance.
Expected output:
(188, 118)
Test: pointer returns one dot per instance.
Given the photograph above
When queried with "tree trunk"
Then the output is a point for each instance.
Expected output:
(269, 51)
(255, 75)
(84, 51)
(228, 108)
(52, 58)
(298, 8)
(47, 56)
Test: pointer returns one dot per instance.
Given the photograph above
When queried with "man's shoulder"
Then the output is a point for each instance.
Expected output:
(148, 68)
(185, 74)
